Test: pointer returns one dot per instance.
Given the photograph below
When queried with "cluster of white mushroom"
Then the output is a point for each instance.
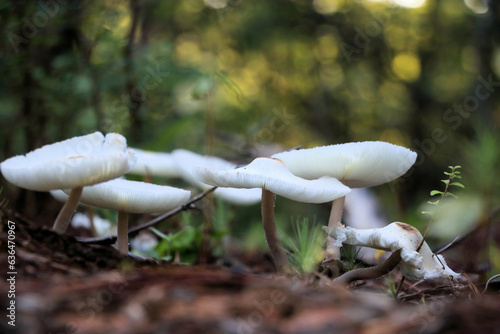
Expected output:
(89, 170)
(325, 174)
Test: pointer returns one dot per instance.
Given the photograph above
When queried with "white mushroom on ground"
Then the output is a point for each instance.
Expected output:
(362, 210)
(132, 197)
(70, 164)
(154, 164)
(397, 237)
(357, 165)
(102, 227)
(186, 162)
(273, 177)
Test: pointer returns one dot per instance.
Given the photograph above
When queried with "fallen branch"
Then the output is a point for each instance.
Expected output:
(109, 240)
(371, 272)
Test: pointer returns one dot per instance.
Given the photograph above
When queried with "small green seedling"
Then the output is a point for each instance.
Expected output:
(305, 248)
(350, 257)
(391, 285)
(222, 217)
(452, 175)
(180, 246)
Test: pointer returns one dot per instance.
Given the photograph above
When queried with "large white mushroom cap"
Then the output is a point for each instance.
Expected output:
(397, 236)
(154, 163)
(271, 174)
(71, 163)
(133, 196)
(187, 162)
(363, 164)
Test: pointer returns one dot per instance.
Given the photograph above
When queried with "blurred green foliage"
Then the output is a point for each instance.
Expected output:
(305, 246)
(240, 78)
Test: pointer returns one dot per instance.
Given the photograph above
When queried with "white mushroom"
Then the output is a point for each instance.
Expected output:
(59, 195)
(71, 163)
(186, 162)
(154, 163)
(363, 211)
(102, 227)
(273, 177)
(132, 197)
(422, 265)
(357, 165)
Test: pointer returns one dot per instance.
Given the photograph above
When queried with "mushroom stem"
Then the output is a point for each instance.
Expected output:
(332, 251)
(63, 218)
(90, 214)
(372, 272)
(122, 241)
(336, 212)
(277, 252)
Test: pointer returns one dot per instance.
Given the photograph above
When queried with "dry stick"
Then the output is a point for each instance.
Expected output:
(63, 218)
(372, 272)
(400, 285)
(278, 253)
(488, 282)
(108, 240)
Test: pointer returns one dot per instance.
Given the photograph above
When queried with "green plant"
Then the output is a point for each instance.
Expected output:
(391, 285)
(452, 175)
(349, 256)
(180, 245)
(221, 218)
(305, 248)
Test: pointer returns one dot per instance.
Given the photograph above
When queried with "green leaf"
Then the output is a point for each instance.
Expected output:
(436, 192)
(445, 181)
(160, 234)
(458, 184)
(450, 194)
(427, 213)
(433, 202)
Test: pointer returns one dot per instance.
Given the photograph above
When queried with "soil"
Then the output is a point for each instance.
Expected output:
(65, 286)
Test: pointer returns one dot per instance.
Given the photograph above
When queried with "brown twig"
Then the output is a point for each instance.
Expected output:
(108, 240)
(372, 272)
(400, 285)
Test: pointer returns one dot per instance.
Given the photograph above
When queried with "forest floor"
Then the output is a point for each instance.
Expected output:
(64, 286)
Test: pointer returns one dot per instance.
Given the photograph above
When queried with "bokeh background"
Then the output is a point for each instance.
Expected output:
(246, 78)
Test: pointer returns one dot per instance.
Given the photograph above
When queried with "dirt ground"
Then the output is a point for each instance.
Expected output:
(64, 286)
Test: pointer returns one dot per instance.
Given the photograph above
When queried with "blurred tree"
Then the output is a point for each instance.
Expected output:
(281, 74)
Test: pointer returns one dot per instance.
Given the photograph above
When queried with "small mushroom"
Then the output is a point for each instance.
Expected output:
(186, 162)
(357, 165)
(100, 227)
(154, 163)
(273, 177)
(132, 197)
(397, 237)
(72, 163)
